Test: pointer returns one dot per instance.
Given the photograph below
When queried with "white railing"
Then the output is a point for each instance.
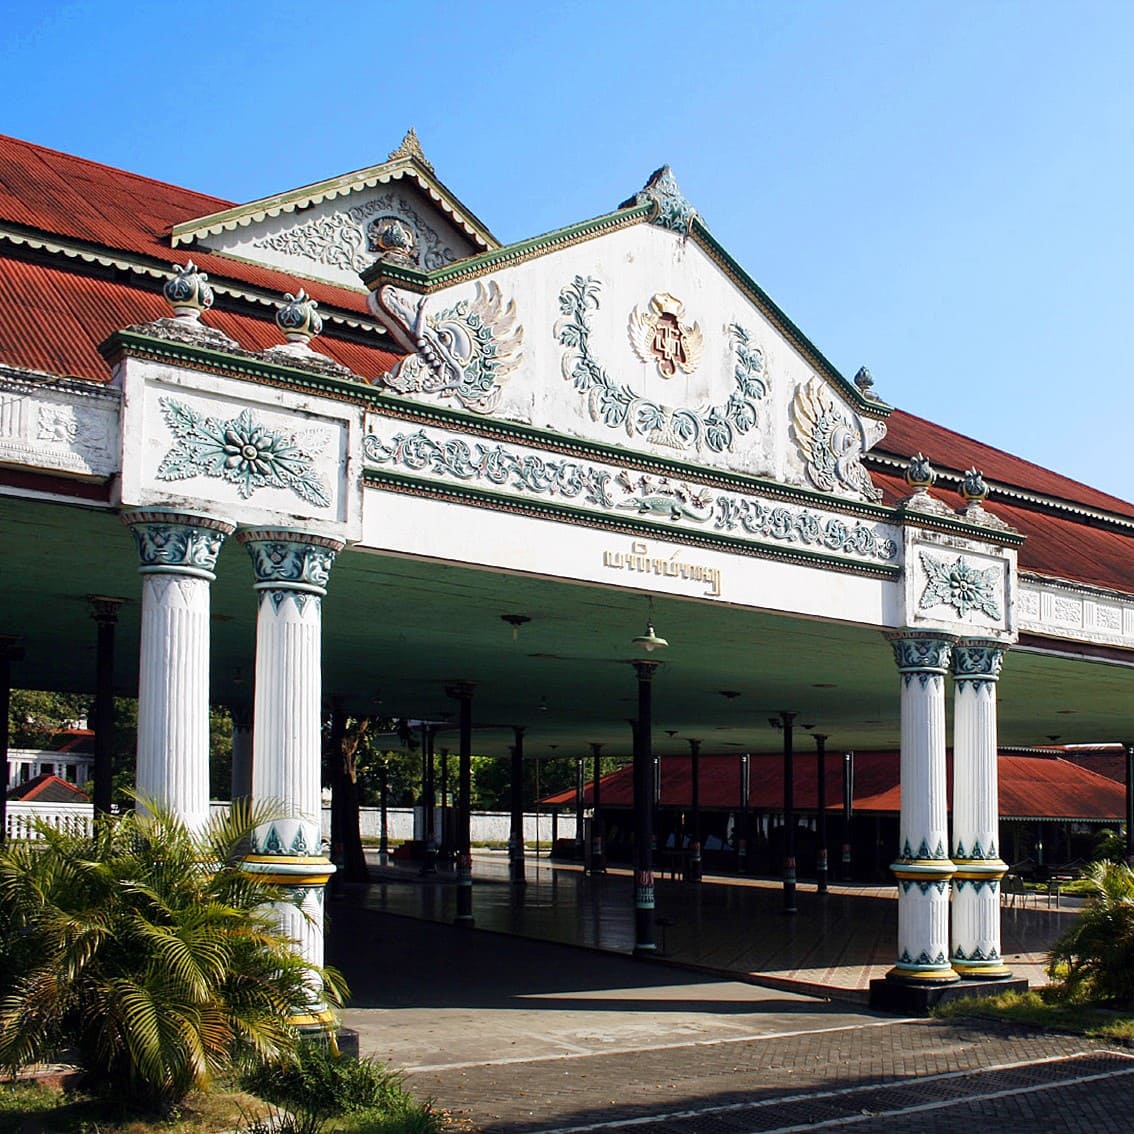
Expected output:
(22, 818)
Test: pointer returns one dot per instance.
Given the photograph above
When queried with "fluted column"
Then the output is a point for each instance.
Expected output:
(923, 868)
(976, 813)
(178, 553)
(292, 569)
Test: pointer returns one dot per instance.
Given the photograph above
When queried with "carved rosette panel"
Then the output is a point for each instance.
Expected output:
(958, 584)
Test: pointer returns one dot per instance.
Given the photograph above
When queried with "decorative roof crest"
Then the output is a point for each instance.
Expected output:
(671, 209)
(864, 380)
(411, 148)
(920, 476)
(299, 317)
(188, 292)
(975, 492)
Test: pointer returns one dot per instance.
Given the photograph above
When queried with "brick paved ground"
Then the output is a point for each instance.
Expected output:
(520, 1036)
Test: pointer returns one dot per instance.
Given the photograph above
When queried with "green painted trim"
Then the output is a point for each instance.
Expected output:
(134, 345)
(344, 183)
(957, 527)
(415, 486)
(509, 256)
(418, 414)
(776, 315)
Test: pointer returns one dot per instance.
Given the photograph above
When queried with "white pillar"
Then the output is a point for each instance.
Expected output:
(292, 569)
(923, 868)
(178, 553)
(976, 812)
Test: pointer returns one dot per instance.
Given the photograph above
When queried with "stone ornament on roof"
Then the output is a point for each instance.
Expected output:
(975, 492)
(299, 319)
(188, 292)
(671, 209)
(411, 148)
(920, 476)
(864, 380)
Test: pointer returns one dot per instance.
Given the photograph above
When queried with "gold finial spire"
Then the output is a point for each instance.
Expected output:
(411, 148)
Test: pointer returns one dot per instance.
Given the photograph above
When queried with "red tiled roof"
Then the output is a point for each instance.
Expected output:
(47, 788)
(53, 320)
(1030, 786)
(907, 435)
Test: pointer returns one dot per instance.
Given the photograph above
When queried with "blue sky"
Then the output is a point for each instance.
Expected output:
(939, 191)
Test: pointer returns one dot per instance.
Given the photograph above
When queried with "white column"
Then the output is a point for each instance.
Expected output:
(178, 553)
(923, 868)
(976, 812)
(292, 569)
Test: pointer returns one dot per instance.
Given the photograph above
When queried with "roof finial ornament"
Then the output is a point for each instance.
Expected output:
(299, 318)
(864, 380)
(188, 292)
(920, 476)
(411, 148)
(671, 209)
(974, 490)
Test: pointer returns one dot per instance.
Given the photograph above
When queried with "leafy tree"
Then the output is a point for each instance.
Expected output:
(159, 971)
(36, 717)
(1094, 959)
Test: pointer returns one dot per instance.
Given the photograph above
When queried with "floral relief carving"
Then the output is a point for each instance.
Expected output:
(244, 453)
(960, 586)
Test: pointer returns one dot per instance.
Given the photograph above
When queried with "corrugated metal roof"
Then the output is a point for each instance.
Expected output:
(53, 319)
(1030, 786)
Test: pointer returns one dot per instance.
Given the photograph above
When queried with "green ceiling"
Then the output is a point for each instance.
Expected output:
(399, 630)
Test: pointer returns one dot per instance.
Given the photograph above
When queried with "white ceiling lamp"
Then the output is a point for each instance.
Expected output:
(649, 641)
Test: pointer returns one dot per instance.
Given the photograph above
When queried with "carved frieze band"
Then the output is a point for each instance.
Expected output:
(53, 426)
(605, 489)
(1080, 614)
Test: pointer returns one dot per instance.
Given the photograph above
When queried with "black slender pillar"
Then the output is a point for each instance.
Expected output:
(384, 803)
(462, 692)
(598, 832)
(446, 810)
(694, 874)
(10, 651)
(742, 819)
(644, 944)
(1130, 802)
(821, 806)
(848, 811)
(786, 719)
(105, 613)
(580, 781)
(428, 800)
(516, 830)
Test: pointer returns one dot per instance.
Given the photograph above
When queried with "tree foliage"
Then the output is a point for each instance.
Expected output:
(1094, 959)
(148, 951)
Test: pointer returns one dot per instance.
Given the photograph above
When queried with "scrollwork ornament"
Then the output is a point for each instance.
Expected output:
(173, 543)
(671, 209)
(921, 653)
(294, 561)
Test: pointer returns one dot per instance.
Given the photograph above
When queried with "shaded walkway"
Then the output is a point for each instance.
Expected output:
(729, 926)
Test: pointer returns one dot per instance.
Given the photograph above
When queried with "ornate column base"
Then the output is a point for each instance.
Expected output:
(923, 916)
(976, 920)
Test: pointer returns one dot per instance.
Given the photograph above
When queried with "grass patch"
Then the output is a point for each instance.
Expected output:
(1044, 1008)
(29, 1106)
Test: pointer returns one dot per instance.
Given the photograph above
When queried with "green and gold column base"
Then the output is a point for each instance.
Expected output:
(923, 974)
(976, 970)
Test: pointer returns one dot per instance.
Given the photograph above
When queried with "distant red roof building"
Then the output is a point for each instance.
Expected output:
(46, 788)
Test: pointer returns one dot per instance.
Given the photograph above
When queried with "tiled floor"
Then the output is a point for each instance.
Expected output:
(834, 945)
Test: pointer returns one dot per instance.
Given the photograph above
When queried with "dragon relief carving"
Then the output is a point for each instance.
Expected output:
(464, 352)
(831, 441)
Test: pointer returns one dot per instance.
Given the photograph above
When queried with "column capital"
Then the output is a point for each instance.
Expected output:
(104, 609)
(646, 669)
(289, 560)
(460, 690)
(176, 543)
(917, 651)
(978, 659)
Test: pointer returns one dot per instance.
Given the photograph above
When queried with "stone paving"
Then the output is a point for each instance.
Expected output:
(519, 1036)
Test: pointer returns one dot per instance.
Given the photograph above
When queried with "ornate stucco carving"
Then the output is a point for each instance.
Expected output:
(831, 441)
(60, 426)
(661, 337)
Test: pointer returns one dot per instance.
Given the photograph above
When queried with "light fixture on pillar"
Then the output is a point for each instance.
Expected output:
(515, 621)
(649, 641)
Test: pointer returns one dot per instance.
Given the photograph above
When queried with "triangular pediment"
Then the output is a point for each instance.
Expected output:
(335, 229)
(636, 330)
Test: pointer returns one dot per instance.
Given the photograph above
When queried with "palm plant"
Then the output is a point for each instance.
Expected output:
(147, 950)
(1094, 959)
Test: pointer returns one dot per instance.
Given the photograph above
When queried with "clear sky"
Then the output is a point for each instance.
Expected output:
(939, 191)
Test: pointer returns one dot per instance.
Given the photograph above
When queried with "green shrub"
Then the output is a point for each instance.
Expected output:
(1094, 959)
(149, 953)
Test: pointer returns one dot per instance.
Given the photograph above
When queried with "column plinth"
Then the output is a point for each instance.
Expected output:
(975, 952)
(923, 868)
(292, 569)
(177, 554)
